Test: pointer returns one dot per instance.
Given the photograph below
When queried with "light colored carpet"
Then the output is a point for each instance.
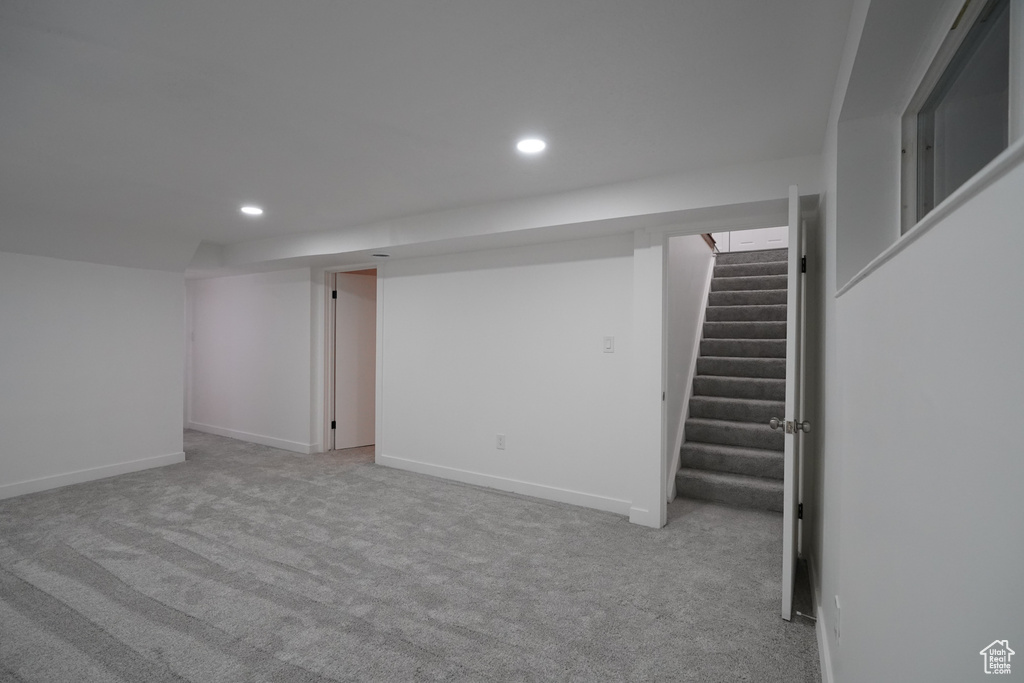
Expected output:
(246, 563)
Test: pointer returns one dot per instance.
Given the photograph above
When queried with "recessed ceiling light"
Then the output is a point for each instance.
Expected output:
(531, 145)
(252, 211)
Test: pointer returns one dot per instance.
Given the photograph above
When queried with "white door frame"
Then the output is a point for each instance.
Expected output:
(671, 441)
(327, 371)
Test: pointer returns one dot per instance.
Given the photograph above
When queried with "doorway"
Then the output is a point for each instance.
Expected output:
(742, 428)
(352, 374)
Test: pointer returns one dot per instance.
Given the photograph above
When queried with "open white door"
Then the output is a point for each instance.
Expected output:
(355, 359)
(792, 424)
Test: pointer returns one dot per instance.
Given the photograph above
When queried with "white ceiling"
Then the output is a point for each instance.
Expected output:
(128, 123)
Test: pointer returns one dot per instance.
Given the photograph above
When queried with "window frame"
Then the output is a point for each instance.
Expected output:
(969, 13)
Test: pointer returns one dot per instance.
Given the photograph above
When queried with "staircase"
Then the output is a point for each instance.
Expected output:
(730, 455)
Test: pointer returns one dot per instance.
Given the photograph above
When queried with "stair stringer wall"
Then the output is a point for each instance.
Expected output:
(676, 436)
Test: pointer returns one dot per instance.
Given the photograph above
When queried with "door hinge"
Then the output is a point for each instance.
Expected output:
(334, 294)
(800, 511)
(334, 424)
(663, 396)
(803, 264)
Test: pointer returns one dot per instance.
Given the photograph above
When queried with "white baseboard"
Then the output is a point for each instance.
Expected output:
(645, 517)
(294, 446)
(554, 493)
(820, 628)
(22, 488)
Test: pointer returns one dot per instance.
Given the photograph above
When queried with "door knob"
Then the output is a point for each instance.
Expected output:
(790, 427)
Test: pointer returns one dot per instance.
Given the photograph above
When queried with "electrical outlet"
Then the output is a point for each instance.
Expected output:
(501, 442)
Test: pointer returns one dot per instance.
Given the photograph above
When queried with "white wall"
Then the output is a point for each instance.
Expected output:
(251, 360)
(868, 207)
(646, 455)
(689, 262)
(91, 370)
(823, 509)
(933, 477)
(510, 342)
(920, 445)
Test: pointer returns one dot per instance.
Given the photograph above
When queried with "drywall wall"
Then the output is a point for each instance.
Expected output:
(251, 358)
(920, 374)
(646, 455)
(929, 354)
(822, 524)
(868, 208)
(91, 369)
(822, 532)
(511, 342)
(688, 267)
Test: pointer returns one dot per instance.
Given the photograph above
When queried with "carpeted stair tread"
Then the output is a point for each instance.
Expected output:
(744, 348)
(753, 462)
(731, 489)
(747, 283)
(745, 329)
(762, 313)
(743, 269)
(762, 256)
(729, 433)
(747, 298)
(736, 409)
(764, 388)
(731, 366)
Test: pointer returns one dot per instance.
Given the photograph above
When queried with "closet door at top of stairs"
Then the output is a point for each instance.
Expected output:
(355, 359)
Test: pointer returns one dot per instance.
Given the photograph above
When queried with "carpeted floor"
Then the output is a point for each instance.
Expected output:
(246, 563)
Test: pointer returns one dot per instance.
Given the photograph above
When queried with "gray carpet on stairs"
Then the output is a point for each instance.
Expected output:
(247, 563)
(755, 297)
(730, 454)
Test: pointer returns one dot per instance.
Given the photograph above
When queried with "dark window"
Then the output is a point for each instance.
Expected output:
(964, 123)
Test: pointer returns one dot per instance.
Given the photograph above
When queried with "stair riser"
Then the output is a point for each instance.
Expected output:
(770, 465)
(774, 368)
(740, 387)
(744, 348)
(737, 434)
(762, 256)
(737, 411)
(747, 269)
(748, 298)
(730, 495)
(728, 284)
(759, 313)
(745, 330)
